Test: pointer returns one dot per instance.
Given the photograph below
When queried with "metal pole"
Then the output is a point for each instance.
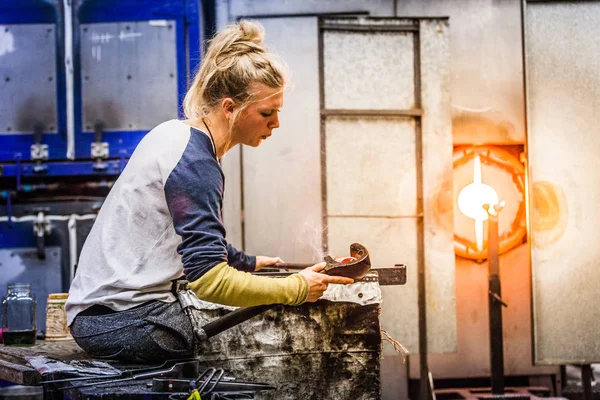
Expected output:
(495, 304)
(586, 381)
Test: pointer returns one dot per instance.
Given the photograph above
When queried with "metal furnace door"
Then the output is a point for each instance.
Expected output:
(562, 54)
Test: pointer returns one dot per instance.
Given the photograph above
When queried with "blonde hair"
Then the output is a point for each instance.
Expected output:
(235, 60)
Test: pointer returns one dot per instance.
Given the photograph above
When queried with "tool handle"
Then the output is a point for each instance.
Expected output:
(233, 318)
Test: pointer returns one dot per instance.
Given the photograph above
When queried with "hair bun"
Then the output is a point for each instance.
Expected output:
(251, 31)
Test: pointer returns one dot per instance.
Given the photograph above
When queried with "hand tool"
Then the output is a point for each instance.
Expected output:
(354, 269)
(177, 370)
(386, 276)
(162, 385)
(123, 374)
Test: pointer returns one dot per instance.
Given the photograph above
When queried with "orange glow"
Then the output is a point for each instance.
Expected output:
(472, 167)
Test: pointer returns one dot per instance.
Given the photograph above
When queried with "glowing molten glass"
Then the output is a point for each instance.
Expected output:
(472, 198)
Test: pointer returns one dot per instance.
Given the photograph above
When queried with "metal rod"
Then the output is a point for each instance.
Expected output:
(292, 265)
(413, 112)
(375, 216)
(68, 13)
(300, 15)
(242, 202)
(323, 140)
(369, 28)
(234, 318)
(425, 393)
(528, 188)
(586, 381)
(495, 308)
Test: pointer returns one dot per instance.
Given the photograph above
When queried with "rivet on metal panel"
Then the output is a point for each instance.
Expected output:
(7, 79)
(127, 28)
(86, 77)
(128, 76)
(85, 29)
(8, 129)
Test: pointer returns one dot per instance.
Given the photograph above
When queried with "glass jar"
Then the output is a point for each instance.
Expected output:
(18, 315)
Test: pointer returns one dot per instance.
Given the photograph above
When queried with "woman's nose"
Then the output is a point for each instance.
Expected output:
(274, 123)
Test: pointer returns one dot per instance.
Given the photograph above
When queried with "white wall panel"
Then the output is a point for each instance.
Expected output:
(372, 70)
(371, 166)
(563, 99)
(282, 178)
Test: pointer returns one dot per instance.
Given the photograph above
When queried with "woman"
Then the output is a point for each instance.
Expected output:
(162, 219)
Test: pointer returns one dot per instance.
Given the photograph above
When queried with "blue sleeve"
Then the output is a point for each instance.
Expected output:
(194, 195)
(240, 260)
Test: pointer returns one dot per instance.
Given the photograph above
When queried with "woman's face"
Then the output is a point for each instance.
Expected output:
(257, 121)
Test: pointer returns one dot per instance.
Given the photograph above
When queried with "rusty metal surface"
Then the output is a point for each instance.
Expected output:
(324, 350)
(563, 98)
(307, 352)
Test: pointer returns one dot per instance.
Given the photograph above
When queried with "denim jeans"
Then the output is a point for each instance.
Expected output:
(153, 332)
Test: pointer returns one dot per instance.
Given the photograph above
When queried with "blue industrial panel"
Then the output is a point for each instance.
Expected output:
(32, 79)
(123, 137)
(137, 92)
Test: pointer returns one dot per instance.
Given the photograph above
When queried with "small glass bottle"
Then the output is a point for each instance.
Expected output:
(18, 315)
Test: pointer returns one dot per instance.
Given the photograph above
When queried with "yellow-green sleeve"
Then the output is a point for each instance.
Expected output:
(226, 285)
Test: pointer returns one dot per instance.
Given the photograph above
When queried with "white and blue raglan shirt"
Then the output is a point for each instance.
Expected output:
(161, 221)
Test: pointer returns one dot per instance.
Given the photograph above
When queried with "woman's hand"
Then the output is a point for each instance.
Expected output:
(263, 261)
(318, 282)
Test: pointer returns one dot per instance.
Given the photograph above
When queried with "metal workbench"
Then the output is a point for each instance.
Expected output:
(313, 351)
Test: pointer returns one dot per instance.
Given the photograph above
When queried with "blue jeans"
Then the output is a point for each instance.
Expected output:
(153, 332)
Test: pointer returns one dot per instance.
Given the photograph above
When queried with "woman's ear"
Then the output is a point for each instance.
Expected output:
(228, 107)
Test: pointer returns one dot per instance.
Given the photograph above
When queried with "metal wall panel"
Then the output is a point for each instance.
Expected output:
(370, 166)
(369, 71)
(262, 7)
(563, 139)
(27, 78)
(486, 67)
(282, 179)
(438, 196)
(128, 74)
